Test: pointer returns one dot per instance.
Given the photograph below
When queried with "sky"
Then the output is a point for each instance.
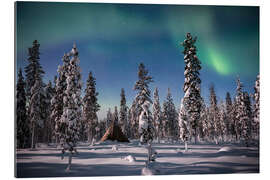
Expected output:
(112, 39)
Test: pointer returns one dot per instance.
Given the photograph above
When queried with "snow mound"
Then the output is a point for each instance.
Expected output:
(225, 149)
(130, 158)
(115, 148)
(147, 171)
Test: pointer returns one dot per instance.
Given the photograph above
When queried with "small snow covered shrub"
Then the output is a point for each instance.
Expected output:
(130, 158)
(115, 148)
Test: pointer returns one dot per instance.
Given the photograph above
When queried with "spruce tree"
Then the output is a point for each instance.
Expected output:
(91, 106)
(238, 109)
(35, 111)
(183, 124)
(123, 113)
(143, 94)
(157, 115)
(229, 114)
(143, 101)
(57, 100)
(48, 123)
(115, 116)
(72, 110)
(22, 126)
(192, 97)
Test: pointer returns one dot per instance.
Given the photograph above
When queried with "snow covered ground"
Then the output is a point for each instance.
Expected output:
(122, 159)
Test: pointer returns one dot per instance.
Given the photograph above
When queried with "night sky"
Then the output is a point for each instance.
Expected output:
(112, 39)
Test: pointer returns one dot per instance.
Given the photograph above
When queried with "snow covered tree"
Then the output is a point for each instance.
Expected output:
(143, 101)
(157, 115)
(33, 67)
(48, 122)
(170, 117)
(123, 113)
(35, 113)
(256, 108)
(91, 107)
(72, 111)
(214, 114)
(22, 126)
(57, 99)
(192, 97)
(204, 122)
(144, 94)
(237, 111)
(109, 118)
(133, 121)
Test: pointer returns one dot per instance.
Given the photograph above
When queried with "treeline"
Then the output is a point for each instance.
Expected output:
(57, 112)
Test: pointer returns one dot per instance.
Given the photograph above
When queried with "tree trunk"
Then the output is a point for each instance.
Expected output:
(149, 148)
(33, 136)
(186, 146)
(69, 161)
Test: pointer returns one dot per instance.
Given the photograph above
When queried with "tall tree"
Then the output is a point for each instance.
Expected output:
(192, 97)
(91, 106)
(35, 111)
(57, 100)
(143, 94)
(143, 101)
(157, 115)
(22, 126)
(48, 123)
(184, 125)
(115, 116)
(72, 112)
(123, 113)
(229, 114)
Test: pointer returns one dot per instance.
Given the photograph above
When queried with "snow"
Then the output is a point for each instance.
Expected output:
(130, 159)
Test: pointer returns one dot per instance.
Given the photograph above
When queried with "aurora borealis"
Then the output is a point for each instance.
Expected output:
(113, 39)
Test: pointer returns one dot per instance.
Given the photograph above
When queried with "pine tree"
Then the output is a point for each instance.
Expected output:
(22, 126)
(72, 111)
(109, 118)
(170, 117)
(256, 108)
(143, 101)
(223, 121)
(157, 115)
(35, 111)
(49, 123)
(33, 67)
(214, 114)
(134, 123)
(192, 98)
(238, 109)
(144, 94)
(123, 113)
(91, 107)
(204, 122)
(57, 100)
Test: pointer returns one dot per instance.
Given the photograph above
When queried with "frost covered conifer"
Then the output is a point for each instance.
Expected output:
(123, 121)
(170, 117)
(256, 108)
(143, 95)
(22, 126)
(91, 107)
(214, 114)
(238, 110)
(57, 99)
(35, 110)
(223, 121)
(33, 67)
(48, 122)
(192, 97)
(72, 111)
(229, 114)
(203, 122)
(157, 115)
